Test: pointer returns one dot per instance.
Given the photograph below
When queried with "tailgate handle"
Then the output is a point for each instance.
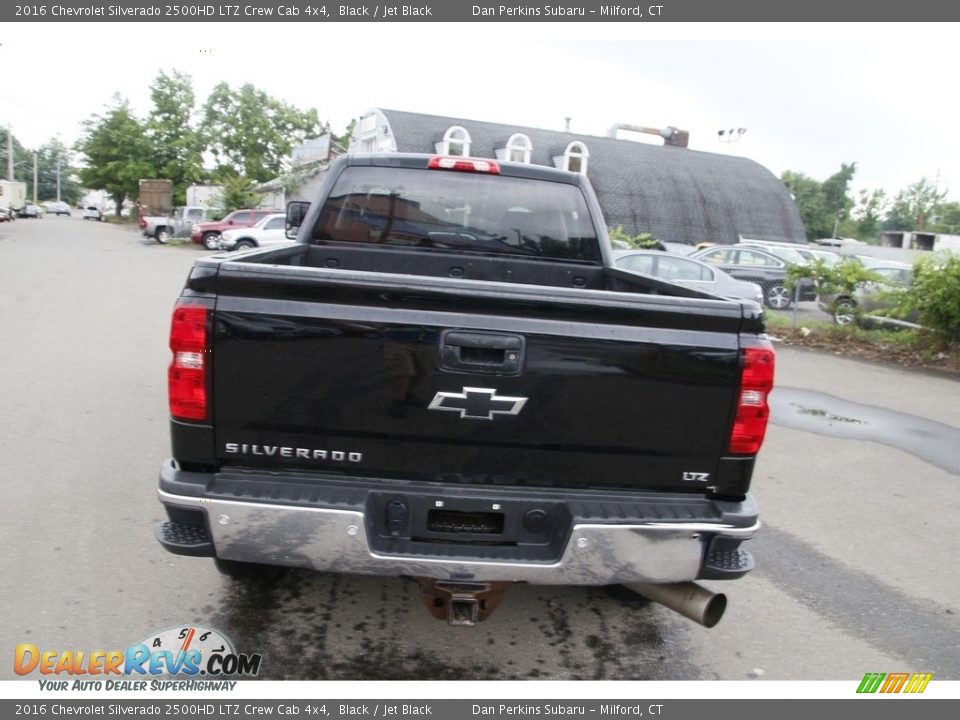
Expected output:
(481, 352)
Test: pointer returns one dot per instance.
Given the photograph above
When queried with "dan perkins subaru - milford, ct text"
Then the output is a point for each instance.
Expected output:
(556, 709)
(525, 11)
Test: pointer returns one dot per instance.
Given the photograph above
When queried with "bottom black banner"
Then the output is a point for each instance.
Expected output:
(446, 709)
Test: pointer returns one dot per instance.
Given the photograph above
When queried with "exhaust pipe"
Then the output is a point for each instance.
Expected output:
(691, 600)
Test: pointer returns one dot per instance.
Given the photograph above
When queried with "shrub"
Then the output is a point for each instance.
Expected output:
(841, 279)
(643, 241)
(935, 296)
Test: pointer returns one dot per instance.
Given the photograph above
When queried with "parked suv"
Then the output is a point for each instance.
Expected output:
(271, 230)
(753, 264)
(208, 234)
(92, 212)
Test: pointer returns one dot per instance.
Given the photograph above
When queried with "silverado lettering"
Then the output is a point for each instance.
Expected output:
(291, 452)
(522, 409)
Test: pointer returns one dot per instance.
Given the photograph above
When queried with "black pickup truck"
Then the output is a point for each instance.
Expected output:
(445, 378)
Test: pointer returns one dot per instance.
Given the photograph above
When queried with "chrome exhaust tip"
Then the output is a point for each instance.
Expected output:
(691, 600)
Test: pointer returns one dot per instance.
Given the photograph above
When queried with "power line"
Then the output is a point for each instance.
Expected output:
(31, 108)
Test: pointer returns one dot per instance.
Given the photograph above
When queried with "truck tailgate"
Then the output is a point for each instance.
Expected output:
(453, 381)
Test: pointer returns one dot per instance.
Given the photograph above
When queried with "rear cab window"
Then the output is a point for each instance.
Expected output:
(453, 211)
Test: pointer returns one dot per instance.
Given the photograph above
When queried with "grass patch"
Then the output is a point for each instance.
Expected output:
(906, 348)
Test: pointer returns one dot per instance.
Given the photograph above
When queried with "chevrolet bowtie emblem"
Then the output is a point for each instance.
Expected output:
(477, 403)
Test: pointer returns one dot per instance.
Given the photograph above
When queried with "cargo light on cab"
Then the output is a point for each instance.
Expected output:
(476, 165)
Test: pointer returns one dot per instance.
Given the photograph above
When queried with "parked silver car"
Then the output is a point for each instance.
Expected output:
(56, 207)
(754, 264)
(867, 303)
(687, 272)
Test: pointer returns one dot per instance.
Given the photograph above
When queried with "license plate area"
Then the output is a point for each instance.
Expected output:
(457, 521)
(438, 526)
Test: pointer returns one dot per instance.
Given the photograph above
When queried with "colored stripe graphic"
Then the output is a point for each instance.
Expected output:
(870, 682)
(918, 683)
(894, 682)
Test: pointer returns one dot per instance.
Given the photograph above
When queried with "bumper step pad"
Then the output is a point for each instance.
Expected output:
(184, 539)
(726, 564)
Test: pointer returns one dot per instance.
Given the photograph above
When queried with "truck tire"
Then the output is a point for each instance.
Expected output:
(162, 235)
(244, 245)
(211, 240)
(246, 572)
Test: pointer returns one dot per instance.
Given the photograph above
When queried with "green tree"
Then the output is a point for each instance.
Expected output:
(822, 206)
(251, 134)
(809, 200)
(947, 219)
(117, 152)
(22, 159)
(238, 193)
(54, 159)
(48, 157)
(175, 145)
(343, 140)
(912, 207)
(836, 189)
(868, 213)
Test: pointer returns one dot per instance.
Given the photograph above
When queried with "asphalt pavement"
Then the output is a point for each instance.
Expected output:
(857, 487)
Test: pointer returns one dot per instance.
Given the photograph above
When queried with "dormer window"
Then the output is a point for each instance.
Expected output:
(456, 141)
(519, 148)
(575, 158)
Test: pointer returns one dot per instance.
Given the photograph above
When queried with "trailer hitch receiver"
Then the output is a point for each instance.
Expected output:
(461, 603)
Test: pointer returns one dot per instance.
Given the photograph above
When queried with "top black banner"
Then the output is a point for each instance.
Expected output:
(480, 11)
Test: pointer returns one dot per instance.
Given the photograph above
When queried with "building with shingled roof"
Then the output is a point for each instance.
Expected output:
(675, 194)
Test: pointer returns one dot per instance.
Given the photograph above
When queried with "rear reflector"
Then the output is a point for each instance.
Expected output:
(441, 162)
(756, 382)
(187, 377)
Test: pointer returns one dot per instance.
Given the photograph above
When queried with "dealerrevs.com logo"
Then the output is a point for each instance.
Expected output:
(184, 652)
(894, 682)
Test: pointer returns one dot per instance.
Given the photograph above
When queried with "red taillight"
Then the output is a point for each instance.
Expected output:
(187, 377)
(476, 165)
(756, 382)
(143, 223)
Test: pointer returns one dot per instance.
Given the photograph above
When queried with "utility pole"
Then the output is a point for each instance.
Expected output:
(59, 156)
(34, 178)
(9, 153)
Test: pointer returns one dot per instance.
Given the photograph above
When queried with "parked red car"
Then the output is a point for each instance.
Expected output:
(208, 233)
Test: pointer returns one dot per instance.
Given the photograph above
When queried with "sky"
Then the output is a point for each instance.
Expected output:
(809, 96)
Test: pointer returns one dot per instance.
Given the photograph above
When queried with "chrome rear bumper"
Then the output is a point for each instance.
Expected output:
(338, 540)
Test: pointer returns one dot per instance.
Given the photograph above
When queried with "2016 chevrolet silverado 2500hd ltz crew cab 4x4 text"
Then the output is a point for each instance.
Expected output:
(447, 378)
